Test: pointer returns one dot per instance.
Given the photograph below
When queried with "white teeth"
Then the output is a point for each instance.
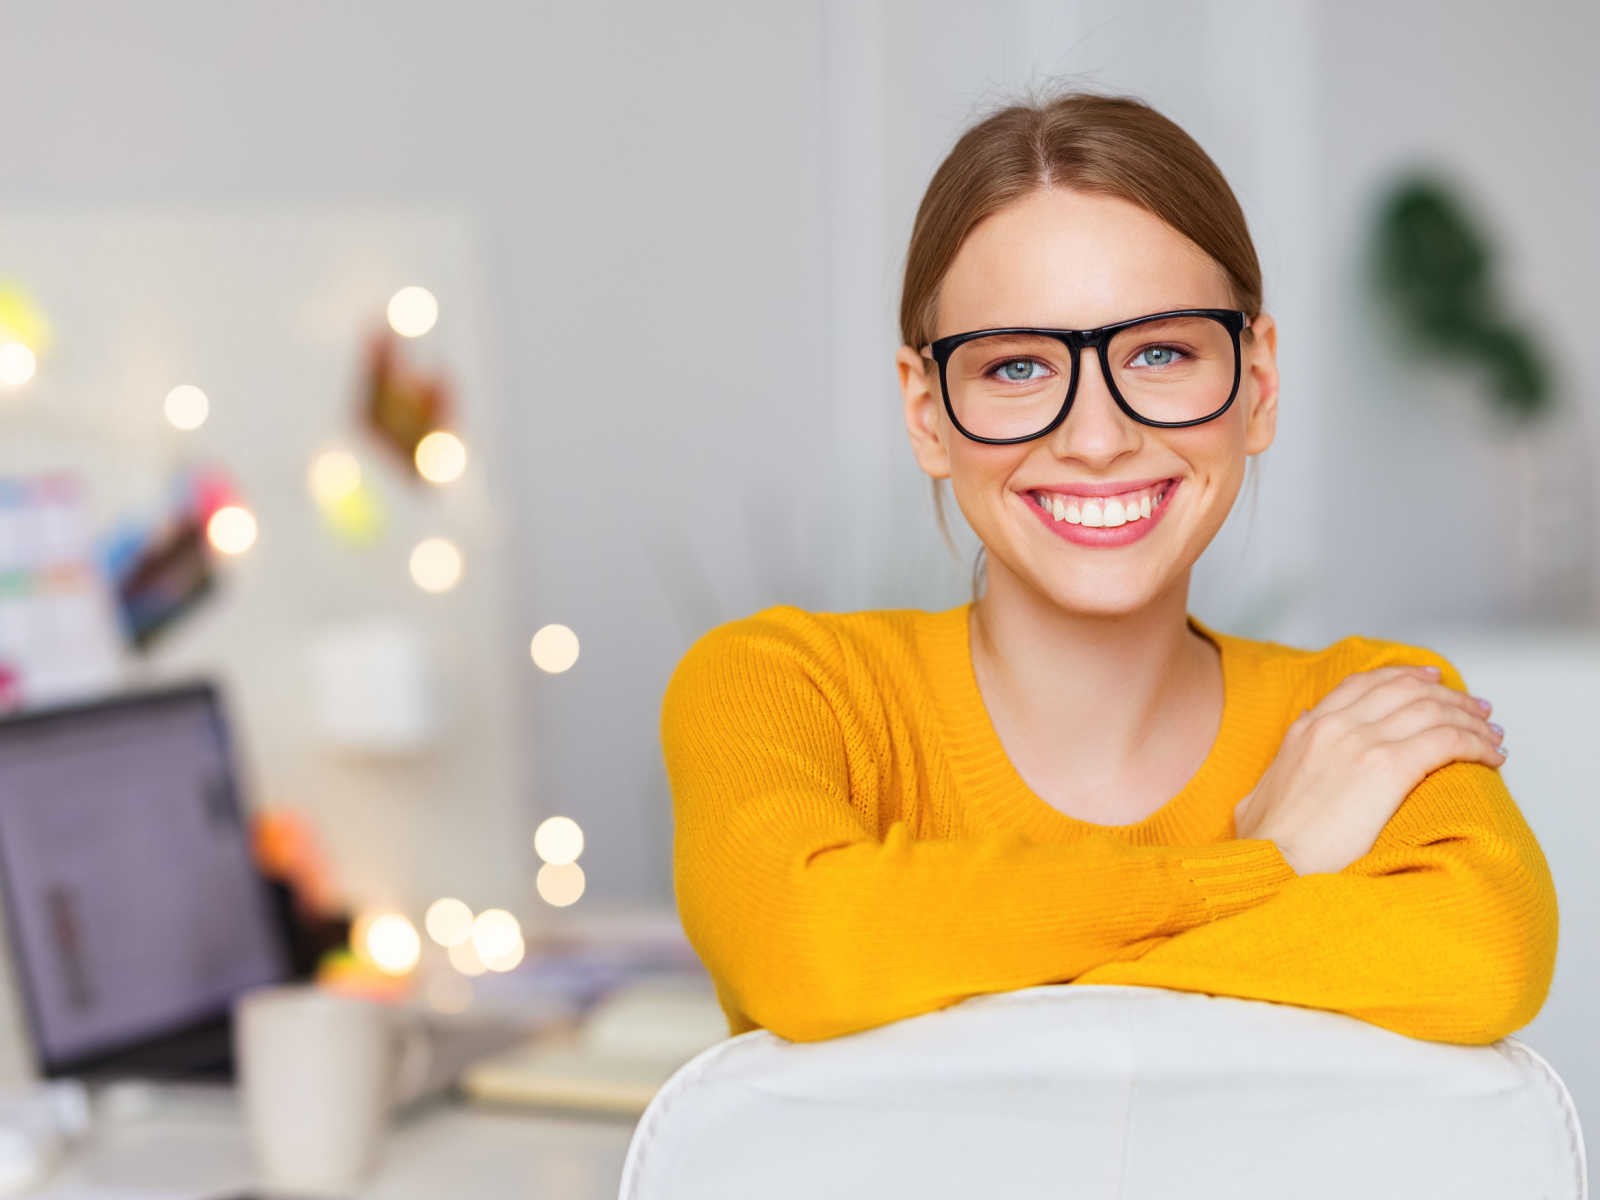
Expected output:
(1107, 513)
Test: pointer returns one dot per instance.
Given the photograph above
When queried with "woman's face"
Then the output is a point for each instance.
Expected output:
(1075, 260)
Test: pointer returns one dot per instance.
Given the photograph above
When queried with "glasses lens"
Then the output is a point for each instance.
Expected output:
(1012, 385)
(1176, 369)
(1008, 385)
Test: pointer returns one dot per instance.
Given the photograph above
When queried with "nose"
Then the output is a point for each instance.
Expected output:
(1095, 427)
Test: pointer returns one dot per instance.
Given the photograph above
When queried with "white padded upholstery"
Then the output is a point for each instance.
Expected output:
(1098, 1092)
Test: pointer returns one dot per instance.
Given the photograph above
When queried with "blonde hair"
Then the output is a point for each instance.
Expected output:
(1112, 145)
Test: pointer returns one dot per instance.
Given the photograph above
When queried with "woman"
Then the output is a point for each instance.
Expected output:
(1072, 779)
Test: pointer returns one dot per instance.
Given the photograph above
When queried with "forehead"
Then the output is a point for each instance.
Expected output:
(1073, 260)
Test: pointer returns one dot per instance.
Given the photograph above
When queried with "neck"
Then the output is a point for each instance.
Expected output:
(1094, 690)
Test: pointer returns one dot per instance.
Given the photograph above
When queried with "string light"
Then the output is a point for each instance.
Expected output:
(412, 311)
(187, 407)
(441, 457)
(334, 475)
(558, 840)
(560, 884)
(392, 943)
(554, 648)
(448, 921)
(349, 507)
(436, 565)
(497, 937)
(17, 364)
(24, 334)
(231, 529)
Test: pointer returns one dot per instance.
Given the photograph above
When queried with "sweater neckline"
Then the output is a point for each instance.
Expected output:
(992, 787)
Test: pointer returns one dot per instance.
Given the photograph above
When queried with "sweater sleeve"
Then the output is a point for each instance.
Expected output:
(813, 926)
(1445, 930)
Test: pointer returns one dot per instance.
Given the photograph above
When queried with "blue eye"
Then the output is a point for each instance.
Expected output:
(1162, 350)
(1010, 365)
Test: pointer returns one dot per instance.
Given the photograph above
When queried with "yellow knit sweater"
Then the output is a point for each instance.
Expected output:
(852, 847)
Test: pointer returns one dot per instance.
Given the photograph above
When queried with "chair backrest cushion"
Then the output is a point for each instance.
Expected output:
(1100, 1091)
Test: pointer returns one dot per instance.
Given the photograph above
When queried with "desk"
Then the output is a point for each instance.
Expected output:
(190, 1143)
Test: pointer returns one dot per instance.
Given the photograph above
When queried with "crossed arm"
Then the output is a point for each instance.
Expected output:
(1445, 930)
(814, 926)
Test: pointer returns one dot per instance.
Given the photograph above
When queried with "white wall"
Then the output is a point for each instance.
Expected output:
(693, 220)
(693, 226)
(269, 311)
(1427, 514)
(644, 185)
(1441, 527)
(907, 77)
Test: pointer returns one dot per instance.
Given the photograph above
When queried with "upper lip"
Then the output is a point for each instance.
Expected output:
(1101, 489)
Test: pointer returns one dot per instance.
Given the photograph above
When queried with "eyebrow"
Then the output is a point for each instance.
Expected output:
(1149, 312)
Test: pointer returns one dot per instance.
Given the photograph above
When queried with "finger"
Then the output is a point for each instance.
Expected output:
(1454, 698)
(1440, 692)
(1429, 712)
(1387, 696)
(1449, 741)
(1367, 694)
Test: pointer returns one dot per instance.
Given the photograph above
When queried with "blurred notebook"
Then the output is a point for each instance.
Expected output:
(628, 1045)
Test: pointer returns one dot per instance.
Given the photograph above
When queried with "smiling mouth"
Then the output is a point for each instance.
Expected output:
(1104, 512)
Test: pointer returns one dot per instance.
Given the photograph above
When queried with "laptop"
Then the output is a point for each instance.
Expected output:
(134, 908)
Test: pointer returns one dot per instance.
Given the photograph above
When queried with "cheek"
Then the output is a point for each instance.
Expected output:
(977, 470)
(1220, 471)
(981, 478)
(1216, 452)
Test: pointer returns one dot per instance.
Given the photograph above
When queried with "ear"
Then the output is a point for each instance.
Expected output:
(1261, 369)
(924, 406)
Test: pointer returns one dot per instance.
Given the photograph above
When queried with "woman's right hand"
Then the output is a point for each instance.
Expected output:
(1346, 765)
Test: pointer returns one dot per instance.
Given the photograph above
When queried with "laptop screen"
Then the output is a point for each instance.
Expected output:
(134, 903)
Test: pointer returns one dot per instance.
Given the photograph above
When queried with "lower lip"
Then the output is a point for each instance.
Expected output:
(1085, 535)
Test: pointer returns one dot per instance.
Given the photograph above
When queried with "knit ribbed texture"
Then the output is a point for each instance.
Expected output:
(852, 846)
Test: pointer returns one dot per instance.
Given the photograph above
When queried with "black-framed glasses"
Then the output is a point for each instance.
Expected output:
(1168, 369)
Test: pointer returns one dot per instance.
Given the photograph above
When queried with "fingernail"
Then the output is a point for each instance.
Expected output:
(1497, 729)
(1503, 751)
(1482, 703)
(1434, 671)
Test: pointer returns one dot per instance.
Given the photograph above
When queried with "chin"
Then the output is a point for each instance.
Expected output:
(1106, 594)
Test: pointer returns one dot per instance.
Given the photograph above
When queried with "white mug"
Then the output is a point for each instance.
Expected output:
(318, 1074)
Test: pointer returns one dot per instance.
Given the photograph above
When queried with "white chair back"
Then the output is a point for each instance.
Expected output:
(1098, 1092)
